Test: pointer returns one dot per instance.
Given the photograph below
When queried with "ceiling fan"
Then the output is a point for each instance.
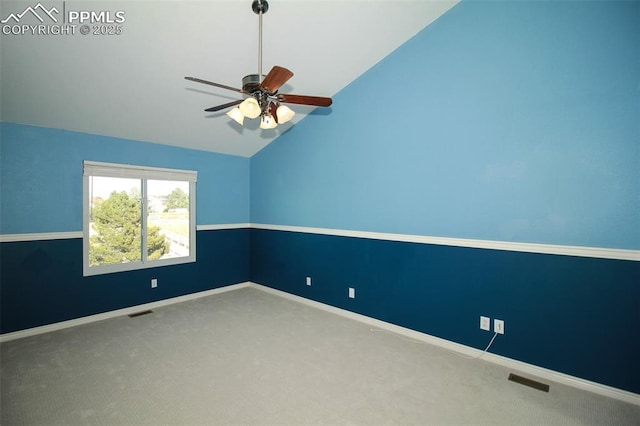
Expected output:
(263, 98)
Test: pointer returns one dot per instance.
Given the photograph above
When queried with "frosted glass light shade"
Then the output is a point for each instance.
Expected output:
(267, 122)
(237, 115)
(284, 114)
(250, 108)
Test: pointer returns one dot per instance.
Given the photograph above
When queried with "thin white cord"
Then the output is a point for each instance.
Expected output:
(483, 352)
(376, 330)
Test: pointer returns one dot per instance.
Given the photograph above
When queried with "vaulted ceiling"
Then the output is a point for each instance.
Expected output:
(131, 85)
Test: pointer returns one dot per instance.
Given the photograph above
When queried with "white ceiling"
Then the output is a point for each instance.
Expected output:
(132, 85)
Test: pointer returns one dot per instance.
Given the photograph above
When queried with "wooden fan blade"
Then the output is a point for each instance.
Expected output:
(273, 110)
(275, 79)
(222, 86)
(305, 100)
(219, 107)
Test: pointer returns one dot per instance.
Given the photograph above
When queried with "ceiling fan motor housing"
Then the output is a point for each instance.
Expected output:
(251, 83)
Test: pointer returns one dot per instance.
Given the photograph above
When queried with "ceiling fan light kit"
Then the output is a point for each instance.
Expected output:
(267, 122)
(236, 115)
(264, 101)
(284, 114)
(250, 108)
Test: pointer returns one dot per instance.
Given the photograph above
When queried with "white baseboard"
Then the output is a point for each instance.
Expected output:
(119, 312)
(520, 366)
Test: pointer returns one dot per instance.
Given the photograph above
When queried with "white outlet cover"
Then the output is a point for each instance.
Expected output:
(352, 293)
(485, 323)
(498, 326)
(308, 280)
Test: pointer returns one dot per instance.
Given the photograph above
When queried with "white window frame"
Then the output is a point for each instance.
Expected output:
(144, 173)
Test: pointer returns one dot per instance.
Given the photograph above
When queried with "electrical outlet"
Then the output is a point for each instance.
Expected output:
(352, 293)
(308, 280)
(498, 326)
(485, 323)
(154, 283)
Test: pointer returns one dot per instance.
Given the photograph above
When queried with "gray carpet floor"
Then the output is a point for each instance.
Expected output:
(251, 357)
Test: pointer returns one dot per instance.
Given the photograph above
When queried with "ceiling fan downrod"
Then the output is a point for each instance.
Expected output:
(260, 7)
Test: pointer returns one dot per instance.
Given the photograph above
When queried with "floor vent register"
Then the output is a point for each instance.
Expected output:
(137, 314)
(528, 382)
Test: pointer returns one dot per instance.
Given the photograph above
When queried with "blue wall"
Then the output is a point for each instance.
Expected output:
(510, 121)
(41, 182)
(579, 316)
(507, 121)
(41, 177)
(42, 281)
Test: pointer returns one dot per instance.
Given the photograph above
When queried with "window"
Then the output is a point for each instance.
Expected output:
(137, 217)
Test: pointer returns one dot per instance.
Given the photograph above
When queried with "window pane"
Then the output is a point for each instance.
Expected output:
(167, 219)
(115, 220)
